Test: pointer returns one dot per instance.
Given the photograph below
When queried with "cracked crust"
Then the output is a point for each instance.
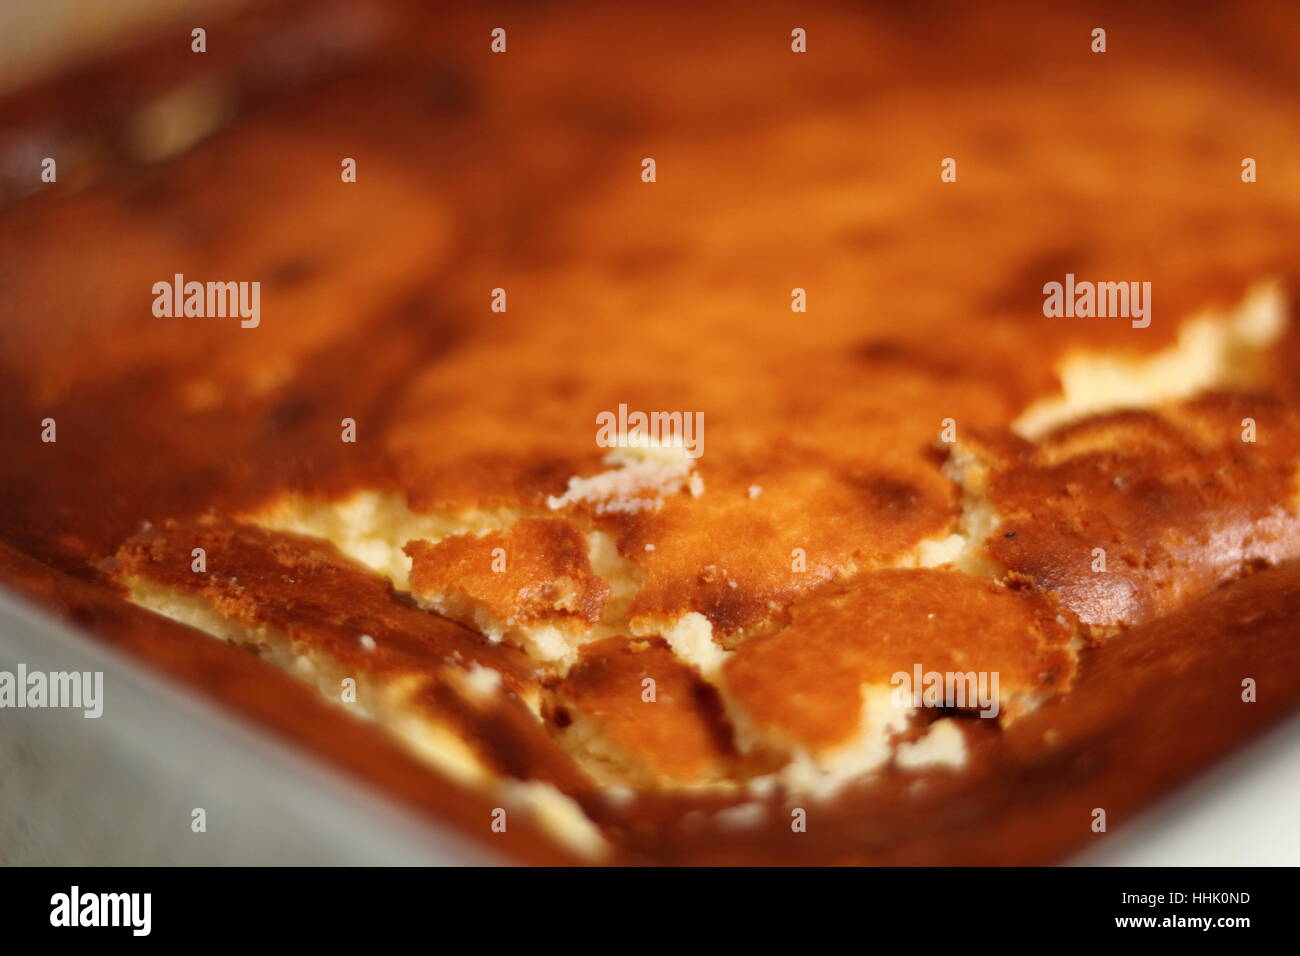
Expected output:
(1129, 515)
(535, 572)
(634, 707)
(804, 684)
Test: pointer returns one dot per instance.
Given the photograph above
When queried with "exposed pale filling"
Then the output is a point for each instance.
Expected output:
(1213, 351)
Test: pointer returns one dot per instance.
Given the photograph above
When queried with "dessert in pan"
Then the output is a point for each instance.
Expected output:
(851, 436)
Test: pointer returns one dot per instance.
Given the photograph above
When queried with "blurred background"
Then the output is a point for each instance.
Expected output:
(37, 35)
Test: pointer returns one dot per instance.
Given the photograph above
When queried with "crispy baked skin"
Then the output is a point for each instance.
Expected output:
(1176, 500)
(293, 583)
(823, 487)
(925, 298)
(299, 602)
(805, 682)
(678, 734)
(544, 574)
(1144, 713)
(740, 558)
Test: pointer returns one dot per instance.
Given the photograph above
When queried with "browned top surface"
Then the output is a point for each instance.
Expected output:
(1144, 713)
(325, 603)
(304, 586)
(537, 572)
(820, 514)
(522, 171)
(674, 726)
(1176, 501)
(775, 171)
(804, 682)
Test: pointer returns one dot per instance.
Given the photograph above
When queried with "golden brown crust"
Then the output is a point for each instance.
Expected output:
(535, 572)
(300, 603)
(760, 537)
(306, 589)
(1144, 713)
(805, 683)
(1177, 501)
(673, 728)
